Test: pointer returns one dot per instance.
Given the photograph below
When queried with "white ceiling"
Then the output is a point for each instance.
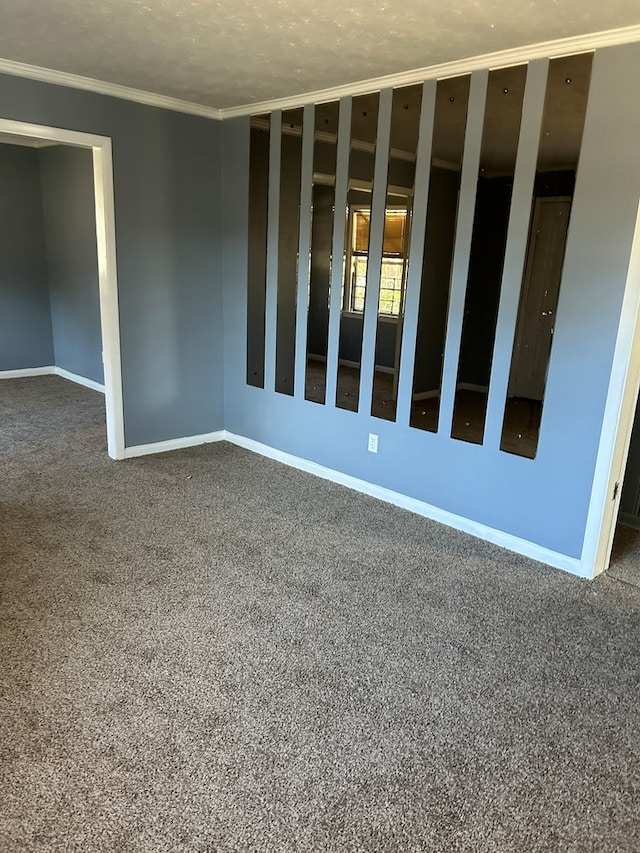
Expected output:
(227, 54)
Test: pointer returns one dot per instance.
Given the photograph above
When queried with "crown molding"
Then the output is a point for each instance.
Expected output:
(99, 87)
(499, 59)
(262, 123)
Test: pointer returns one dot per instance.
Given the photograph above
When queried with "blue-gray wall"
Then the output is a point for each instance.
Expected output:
(167, 208)
(169, 226)
(70, 232)
(25, 320)
(544, 500)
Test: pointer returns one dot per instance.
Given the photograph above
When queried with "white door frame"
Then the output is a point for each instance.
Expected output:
(617, 425)
(107, 273)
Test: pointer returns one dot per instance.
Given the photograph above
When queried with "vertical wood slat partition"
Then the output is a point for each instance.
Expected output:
(338, 246)
(271, 309)
(462, 246)
(376, 234)
(516, 246)
(416, 251)
(304, 248)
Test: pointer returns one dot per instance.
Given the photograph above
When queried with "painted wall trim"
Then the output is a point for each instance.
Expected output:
(489, 534)
(24, 372)
(615, 436)
(100, 87)
(107, 266)
(173, 444)
(499, 59)
(79, 380)
(497, 537)
(51, 370)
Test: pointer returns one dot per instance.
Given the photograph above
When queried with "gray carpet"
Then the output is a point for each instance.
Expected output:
(207, 651)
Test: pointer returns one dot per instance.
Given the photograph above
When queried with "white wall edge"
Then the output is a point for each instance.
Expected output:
(499, 59)
(100, 87)
(79, 380)
(615, 435)
(23, 373)
(489, 534)
(173, 444)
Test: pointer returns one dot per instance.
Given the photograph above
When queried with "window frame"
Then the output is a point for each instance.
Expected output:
(347, 279)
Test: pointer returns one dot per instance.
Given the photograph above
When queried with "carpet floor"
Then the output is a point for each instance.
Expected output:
(208, 651)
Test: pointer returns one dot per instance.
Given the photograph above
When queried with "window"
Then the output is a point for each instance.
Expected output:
(394, 261)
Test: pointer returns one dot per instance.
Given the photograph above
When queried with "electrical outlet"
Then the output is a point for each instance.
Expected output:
(373, 443)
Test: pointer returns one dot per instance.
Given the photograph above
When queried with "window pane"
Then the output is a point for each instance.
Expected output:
(394, 232)
(359, 283)
(361, 225)
(391, 286)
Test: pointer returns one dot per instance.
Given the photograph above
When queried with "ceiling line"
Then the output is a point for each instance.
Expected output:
(100, 87)
(498, 59)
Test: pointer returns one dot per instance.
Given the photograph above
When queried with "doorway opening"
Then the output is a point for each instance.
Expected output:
(102, 168)
(625, 556)
(618, 425)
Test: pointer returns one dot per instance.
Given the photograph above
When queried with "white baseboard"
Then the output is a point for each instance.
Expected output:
(471, 386)
(497, 537)
(27, 371)
(344, 362)
(52, 370)
(173, 444)
(461, 386)
(379, 368)
(79, 380)
(489, 534)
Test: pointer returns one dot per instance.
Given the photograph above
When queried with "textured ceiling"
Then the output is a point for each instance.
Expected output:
(229, 54)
